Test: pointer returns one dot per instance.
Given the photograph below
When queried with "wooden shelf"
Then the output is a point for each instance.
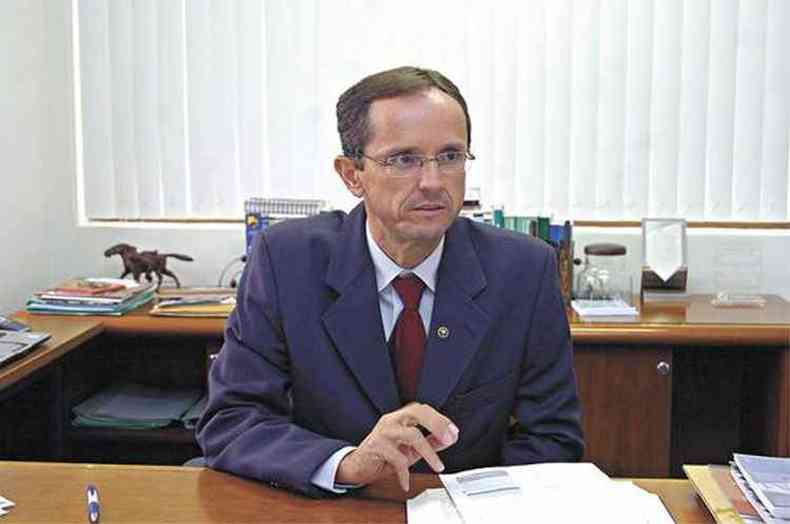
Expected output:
(170, 435)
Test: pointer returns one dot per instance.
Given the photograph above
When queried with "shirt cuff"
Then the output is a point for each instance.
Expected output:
(324, 476)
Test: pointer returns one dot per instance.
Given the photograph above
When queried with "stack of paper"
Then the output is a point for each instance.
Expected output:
(765, 481)
(556, 493)
(91, 296)
(135, 406)
(605, 308)
(752, 490)
(195, 302)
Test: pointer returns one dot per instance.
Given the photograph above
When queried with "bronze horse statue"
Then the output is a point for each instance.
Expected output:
(144, 262)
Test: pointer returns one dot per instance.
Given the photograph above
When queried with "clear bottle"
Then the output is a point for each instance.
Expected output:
(604, 274)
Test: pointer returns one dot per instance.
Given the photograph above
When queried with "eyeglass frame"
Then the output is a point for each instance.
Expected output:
(392, 170)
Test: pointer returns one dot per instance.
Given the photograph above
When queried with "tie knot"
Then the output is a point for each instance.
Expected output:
(410, 290)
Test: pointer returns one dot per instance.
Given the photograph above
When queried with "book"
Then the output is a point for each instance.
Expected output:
(107, 291)
(87, 287)
(170, 293)
(207, 310)
(39, 306)
(769, 479)
(721, 495)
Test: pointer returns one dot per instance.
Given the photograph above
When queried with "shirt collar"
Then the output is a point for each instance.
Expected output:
(387, 269)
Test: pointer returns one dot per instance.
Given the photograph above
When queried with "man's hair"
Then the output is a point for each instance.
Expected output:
(353, 106)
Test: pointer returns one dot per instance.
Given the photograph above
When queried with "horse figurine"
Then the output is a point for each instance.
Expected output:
(144, 262)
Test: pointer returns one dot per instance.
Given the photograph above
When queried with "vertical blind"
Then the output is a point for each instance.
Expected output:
(591, 109)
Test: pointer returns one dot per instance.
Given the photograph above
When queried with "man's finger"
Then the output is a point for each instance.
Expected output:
(437, 424)
(396, 460)
(409, 452)
(424, 449)
(437, 444)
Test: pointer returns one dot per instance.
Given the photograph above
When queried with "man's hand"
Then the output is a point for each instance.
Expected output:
(396, 442)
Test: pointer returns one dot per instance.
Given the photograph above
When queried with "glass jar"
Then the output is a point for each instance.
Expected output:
(604, 274)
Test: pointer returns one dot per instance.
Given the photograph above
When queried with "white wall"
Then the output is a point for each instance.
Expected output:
(24, 197)
(79, 249)
(43, 243)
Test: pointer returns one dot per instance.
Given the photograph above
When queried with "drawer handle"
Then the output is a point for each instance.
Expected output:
(663, 368)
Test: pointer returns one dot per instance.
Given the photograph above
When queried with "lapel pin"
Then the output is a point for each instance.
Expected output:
(443, 331)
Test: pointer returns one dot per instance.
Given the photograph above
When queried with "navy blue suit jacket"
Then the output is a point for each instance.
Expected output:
(305, 369)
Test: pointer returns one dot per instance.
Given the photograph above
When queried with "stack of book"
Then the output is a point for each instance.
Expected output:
(217, 302)
(753, 489)
(91, 296)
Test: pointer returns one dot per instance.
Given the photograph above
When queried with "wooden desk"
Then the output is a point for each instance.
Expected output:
(694, 321)
(32, 425)
(680, 383)
(86, 354)
(65, 336)
(135, 494)
(684, 383)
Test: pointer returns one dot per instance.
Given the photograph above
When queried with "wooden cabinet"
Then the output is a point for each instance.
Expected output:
(684, 383)
(647, 410)
(626, 396)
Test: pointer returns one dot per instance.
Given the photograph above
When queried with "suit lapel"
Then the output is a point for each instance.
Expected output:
(353, 321)
(458, 324)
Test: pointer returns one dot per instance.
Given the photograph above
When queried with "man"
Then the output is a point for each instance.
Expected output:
(398, 335)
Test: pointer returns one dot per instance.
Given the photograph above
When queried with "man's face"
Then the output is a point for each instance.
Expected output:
(414, 209)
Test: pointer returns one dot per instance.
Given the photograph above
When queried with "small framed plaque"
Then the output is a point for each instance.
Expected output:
(664, 257)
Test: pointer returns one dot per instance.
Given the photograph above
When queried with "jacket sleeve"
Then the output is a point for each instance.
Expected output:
(547, 407)
(247, 426)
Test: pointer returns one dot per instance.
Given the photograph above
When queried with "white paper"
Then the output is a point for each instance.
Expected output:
(664, 247)
(557, 493)
(603, 308)
(645, 502)
(5, 504)
(432, 506)
(769, 480)
(753, 500)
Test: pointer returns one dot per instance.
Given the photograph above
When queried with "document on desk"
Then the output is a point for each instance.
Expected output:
(554, 493)
(432, 506)
(5, 505)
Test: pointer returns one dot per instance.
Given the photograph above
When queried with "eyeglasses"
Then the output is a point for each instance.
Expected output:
(407, 164)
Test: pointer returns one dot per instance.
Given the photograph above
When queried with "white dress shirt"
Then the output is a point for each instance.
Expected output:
(390, 306)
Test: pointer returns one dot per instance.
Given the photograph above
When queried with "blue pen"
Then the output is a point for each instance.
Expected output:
(93, 504)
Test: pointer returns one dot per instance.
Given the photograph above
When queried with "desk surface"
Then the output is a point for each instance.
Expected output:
(65, 337)
(47, 492)
(693, 322)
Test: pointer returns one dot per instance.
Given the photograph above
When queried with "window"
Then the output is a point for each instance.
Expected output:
(603, 110)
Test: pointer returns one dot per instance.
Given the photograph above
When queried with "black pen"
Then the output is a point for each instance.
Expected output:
(93, 504)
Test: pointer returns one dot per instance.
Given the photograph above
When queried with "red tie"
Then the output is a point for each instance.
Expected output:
(408, 337)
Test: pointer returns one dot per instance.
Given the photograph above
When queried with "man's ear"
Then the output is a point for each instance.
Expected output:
(347, 170)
